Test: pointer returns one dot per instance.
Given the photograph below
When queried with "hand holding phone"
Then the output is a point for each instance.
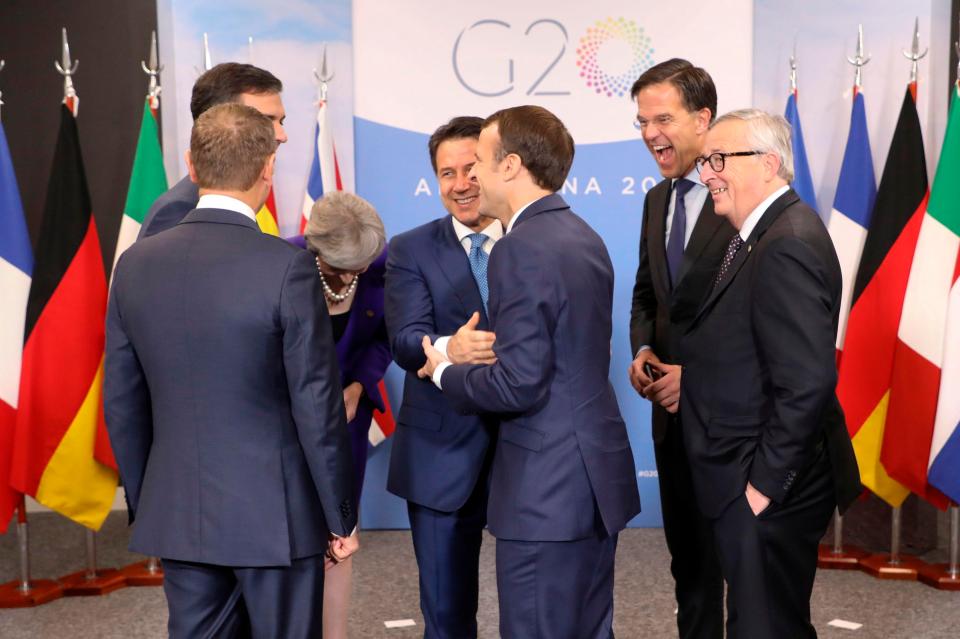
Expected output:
(651, 372)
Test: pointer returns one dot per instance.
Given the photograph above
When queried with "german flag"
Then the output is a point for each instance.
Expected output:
(60, 408)
(866, 368)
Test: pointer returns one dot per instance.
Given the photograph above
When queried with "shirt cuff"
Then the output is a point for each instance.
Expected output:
(645, 347)
(438, 373)
(441, 345)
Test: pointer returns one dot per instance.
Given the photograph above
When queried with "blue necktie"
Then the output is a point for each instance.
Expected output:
(678, 230)
(478, 264)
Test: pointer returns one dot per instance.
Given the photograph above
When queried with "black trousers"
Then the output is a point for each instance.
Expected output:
(226, 602)
(693, 558)
(770, 560)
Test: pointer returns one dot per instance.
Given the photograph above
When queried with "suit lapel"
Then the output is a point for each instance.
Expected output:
(656, 235)
(453, 263)
(771, 214)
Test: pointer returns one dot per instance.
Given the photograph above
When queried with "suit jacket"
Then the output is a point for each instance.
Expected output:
(363, 352)
(438, 450)
(171, 207)
(660, 314)
(562, 455)
(222, 397)
(758, 387)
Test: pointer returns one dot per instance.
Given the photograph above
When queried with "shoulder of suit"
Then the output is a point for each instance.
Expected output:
(424, 232)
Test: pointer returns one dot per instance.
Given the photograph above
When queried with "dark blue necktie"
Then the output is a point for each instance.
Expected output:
(678, 229)
(478, 264)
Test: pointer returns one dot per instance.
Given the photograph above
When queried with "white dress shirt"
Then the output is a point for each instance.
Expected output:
(751, 222)
(216, 201)
(694, 200)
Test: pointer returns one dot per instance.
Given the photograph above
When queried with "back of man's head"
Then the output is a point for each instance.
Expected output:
(539, 138)
(227, 82)
(694, 84)
(229, 147)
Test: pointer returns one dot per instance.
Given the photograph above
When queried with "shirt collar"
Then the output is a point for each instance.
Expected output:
(217, 201)
(513, 220)
(494, 230)
(751, 222)
(693, 176)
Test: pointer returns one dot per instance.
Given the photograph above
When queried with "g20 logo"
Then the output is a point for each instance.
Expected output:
(610, 56)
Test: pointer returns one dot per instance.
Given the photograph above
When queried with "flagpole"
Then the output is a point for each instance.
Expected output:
(92, 581)
(946, 576)
(25, 592)
(894, 565)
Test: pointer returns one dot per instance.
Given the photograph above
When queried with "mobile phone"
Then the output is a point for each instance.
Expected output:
(651, 372)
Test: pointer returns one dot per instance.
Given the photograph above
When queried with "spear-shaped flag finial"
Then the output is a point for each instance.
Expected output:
(153, 70)
(914, 55)
(859, 60)
(67, 67)
(323, 76)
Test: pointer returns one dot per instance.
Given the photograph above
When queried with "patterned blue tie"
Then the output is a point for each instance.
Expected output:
(678, 230)
(478, 264)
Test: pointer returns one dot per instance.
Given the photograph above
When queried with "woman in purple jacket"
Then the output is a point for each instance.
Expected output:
(347, 239)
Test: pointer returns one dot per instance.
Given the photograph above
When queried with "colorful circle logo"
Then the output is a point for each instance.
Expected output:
(612, 55)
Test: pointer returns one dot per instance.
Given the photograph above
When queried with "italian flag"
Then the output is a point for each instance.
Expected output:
(922, 337)
(148, 180)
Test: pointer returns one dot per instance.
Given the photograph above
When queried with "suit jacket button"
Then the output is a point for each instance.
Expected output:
(370, 313)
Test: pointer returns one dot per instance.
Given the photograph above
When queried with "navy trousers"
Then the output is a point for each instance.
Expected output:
(556, 589)
(447, 546)
(223, 602)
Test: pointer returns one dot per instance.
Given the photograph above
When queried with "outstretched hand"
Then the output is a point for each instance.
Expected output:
(470, 346)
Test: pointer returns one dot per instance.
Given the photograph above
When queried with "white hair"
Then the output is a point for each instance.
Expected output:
(345, 231)
(767, 133)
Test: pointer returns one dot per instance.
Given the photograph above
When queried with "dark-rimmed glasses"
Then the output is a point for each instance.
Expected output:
(718, 160)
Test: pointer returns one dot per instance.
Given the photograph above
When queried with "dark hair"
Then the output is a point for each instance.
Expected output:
(226, 82)
(460, 127)
(695, 85)
(540, 139)
(229, 146)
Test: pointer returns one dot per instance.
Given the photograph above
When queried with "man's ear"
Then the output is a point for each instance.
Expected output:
(771, 165)
(190, 169)
(268, 167)
(512, 165)
(703, 118)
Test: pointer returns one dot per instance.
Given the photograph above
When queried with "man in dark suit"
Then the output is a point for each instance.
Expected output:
(768, 448)
(681, 245)
(223, 403)
(440, 462)
(227, 82)
(563, 482)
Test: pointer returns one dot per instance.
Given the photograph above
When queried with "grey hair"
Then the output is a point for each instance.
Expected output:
(768, 133)
(345, 231)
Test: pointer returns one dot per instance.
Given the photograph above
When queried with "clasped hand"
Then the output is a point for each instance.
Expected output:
(664, 387)
(467, 346)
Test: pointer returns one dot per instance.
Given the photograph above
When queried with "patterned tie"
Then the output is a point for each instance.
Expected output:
(678, 229)
(478, 264)
(735, 243)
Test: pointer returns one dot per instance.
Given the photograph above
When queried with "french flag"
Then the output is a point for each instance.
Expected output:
(16, 269)
(852, 206)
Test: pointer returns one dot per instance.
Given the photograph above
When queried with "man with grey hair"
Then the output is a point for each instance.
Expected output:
(769, 451)
(223, 403)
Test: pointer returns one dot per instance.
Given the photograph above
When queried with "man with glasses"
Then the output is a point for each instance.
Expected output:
(681, 244)
(769, 452)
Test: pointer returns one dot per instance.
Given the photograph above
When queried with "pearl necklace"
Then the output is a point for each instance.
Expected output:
(336, 298)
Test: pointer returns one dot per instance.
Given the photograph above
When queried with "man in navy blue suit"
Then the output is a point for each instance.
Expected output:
(440, 462)
(223, 403)
(227, 82)
(563, 482)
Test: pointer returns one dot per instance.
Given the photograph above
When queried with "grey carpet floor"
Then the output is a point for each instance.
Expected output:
(385, 588)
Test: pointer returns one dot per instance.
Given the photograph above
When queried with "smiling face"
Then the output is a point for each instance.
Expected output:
(673, 134)
(745, 181)
(459, 192)
(486, 171)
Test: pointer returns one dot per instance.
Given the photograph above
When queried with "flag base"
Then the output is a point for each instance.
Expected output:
(143, 573)
(906, 569)
(79, 585)
(848, 558)
(938, 576)
(41, 591)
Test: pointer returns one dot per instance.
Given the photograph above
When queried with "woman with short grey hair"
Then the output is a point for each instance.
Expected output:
(348, 243)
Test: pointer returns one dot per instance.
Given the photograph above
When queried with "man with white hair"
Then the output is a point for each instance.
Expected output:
(765, 434)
